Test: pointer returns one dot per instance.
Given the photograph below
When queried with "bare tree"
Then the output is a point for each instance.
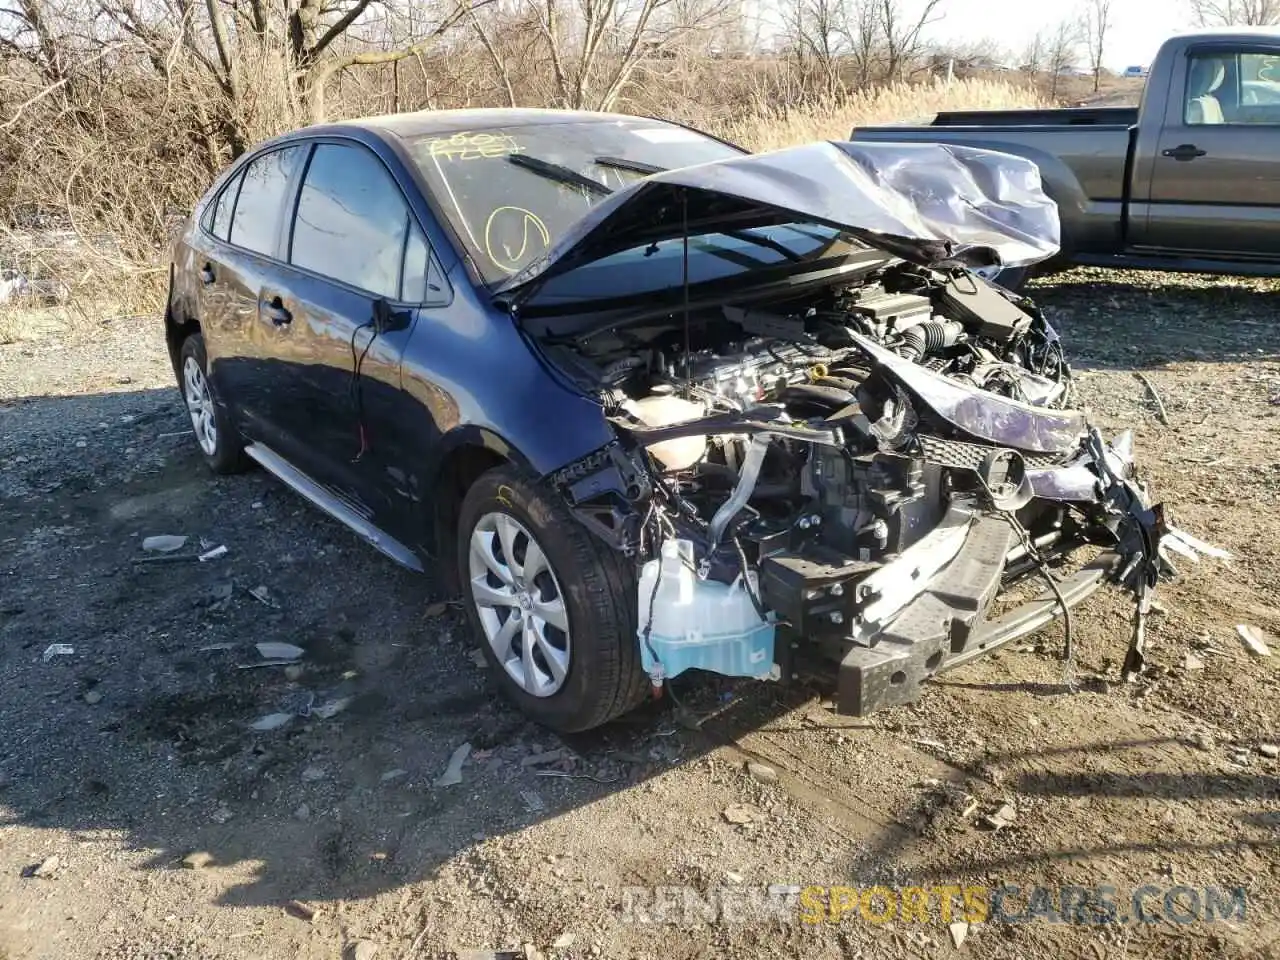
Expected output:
(1062, 46)
(1097, 26)
(815, 43)
(1232, 13)
(1035, 54)
(901, 33)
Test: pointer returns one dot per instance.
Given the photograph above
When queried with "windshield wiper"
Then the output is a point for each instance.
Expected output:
(554, 171)
(635, 166)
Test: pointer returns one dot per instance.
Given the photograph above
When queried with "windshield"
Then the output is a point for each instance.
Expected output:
(508, 213)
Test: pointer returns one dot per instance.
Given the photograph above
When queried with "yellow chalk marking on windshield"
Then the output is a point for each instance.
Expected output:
(466, 145)
(512, 260)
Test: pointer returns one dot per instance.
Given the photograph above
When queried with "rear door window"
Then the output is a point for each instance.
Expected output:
(259, 209)
(221, 222)
(352, 221)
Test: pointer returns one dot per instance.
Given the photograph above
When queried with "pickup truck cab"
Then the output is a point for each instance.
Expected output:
(1187, 181)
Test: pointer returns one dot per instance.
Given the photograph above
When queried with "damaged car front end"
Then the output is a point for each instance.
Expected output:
(833, 436)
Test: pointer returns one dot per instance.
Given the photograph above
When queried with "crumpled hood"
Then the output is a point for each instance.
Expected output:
(919, 201)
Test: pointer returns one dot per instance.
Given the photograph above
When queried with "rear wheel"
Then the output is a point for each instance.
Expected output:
(219, 443)
(553, 608)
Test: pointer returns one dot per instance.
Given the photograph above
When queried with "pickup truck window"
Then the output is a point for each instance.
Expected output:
(1233, 88)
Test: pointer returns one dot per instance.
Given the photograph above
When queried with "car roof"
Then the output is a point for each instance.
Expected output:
(428, 122)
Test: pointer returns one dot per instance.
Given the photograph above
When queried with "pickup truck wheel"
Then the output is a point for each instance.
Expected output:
(219, 442)
(554, 609)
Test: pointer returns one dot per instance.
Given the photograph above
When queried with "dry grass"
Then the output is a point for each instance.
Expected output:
(900, 103)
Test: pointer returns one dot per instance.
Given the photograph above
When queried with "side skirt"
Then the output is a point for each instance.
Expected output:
(333, 505)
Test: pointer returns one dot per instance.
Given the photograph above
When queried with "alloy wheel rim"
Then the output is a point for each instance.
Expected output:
(520, 604)
(200, 405)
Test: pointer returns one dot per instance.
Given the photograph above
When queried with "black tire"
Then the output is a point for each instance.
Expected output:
(228, 450)
(604, 678)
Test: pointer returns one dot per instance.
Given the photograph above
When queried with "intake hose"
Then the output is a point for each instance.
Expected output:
(811, 394)
(926, 338)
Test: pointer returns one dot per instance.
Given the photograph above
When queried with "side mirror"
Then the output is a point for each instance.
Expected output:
(386, 320)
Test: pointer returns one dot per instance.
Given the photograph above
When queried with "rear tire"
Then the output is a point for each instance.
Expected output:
(567, 679)
(219, 443)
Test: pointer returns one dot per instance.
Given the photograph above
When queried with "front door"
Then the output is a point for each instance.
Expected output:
(1215, 177)
(350, 311)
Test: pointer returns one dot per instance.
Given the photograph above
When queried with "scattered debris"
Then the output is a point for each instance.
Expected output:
(762, 772)
(1269, 750)
(272, 650)
(46, 869)
(533, 803)
(1192, 662)
(331, 708)
(733, 877)
(222, 814)
(395, 774)
(57, 650)
(740, 813)
(1204, 741)
(436, 609)
(303, 812)
(197, 860)
(313, 773)
(272, 721)
(263, 596)
(302, 910)
(1161, 413)
(477, 657)
(214, 554)
(163, 544)
(545, 757)
(361, 950)
(453, 772)
(92, 697)
(1253, 640)
(564, 941)
(1002, 817)
(958, 930)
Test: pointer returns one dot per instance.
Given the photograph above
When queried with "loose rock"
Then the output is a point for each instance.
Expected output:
(958, 930)
(272, 721)
(302, 813)
(453, 772)
(361, 950)
(313, 773)
(47, 868)
(763, 772)
(564, 941)
(740, 814)
(1269, 750)
(1002, 817)
(92, 696)
(303, 910)
(273, 650)
(197, 860)
(222, 814)
(163, 544)
(1192, 662)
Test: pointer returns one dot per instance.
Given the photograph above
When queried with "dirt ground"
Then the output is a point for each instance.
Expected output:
(137, 749)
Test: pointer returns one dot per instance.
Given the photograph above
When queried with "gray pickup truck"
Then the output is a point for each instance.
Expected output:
(1187, 181)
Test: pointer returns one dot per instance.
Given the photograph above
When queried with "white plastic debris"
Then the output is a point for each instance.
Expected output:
(453, 772)
(272, 721)
(163, 544)
(262, 595)
(57, 650)
(958, 930)
(1253, 640)
(271, 650)
(331, 708)
(214, 554)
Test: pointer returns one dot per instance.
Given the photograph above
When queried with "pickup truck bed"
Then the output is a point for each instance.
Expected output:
(1189, 180)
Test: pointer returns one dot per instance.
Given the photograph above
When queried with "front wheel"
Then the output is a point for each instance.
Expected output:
(554, 609)
(219, 442)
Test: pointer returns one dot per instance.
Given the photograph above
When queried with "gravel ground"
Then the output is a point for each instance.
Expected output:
(137, 750)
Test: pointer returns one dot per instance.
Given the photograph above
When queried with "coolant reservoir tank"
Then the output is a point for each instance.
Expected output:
(662, 411)
(703, 624)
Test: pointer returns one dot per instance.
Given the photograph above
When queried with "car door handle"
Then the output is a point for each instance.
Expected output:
(1185, 151)
(275, 312)
(206, 274)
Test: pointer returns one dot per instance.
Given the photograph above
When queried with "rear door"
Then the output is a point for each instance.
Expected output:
(243, 258)
(352, 303)
(1215, 178)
